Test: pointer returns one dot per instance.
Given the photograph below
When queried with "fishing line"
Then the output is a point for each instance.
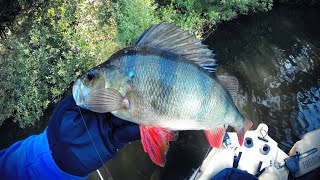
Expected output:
(199, 169)
(95, 148)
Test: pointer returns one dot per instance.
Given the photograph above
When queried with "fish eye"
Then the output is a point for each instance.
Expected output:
(90, 76)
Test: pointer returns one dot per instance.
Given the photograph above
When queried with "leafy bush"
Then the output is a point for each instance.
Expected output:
(6, 94)
(58, 47)
(56, 42)
(194, 15)
(133, 17)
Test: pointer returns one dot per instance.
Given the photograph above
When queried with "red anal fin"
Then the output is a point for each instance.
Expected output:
(155, 142)
(215, 136)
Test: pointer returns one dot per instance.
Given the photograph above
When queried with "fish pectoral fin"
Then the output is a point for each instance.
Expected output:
(155, 142)
(215, 136)
(105, 100)
(232, 85)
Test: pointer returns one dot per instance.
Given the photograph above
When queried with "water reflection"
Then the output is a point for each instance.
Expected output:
(309, 111)
(276, 57)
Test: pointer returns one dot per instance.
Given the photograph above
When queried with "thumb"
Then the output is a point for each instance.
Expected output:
(126, 134)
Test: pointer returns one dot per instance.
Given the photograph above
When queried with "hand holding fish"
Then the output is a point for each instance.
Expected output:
(81, 140)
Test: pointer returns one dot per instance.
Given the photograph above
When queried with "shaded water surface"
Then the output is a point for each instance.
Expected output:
(276, 58)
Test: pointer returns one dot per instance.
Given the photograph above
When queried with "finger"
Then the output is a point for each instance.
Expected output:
(126, 134)
(68, 99)
(66, 103)
(118, 122)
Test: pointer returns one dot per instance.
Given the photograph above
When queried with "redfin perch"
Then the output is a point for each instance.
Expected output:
(164, 82)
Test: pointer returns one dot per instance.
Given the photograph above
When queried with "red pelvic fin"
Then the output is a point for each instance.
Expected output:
(215, 136)
(155, 142)
(247, 125)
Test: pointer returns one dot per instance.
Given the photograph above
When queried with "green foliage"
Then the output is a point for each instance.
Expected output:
(195, 14)
(133, 17)
(58, 47)
(58, 41)
(8, 12)
(190, 21)
(6, 93)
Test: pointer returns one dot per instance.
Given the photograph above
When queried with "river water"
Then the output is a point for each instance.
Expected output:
(276, 58)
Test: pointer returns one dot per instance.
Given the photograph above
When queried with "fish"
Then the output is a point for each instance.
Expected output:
(164, 82)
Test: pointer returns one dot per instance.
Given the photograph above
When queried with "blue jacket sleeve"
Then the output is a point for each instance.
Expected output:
(234, 174)
(31, 159)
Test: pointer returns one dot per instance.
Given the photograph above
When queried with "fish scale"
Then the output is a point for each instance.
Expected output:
(157, 105)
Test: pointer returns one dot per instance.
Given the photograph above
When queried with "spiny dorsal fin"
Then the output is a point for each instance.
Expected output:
(232, 85)
(171, 38)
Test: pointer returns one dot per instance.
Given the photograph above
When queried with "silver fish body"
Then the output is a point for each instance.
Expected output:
(165, 90)
(164, 82)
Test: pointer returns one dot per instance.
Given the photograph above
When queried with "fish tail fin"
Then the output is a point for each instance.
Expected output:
(242, 131)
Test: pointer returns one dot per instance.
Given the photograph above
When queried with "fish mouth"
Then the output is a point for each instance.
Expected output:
(79, 92)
